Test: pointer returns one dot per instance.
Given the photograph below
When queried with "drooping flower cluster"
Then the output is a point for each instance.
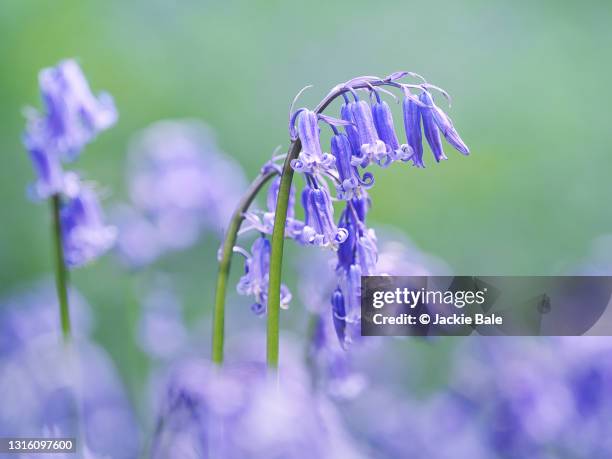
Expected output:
(72, 117)
(180, 184)
(362, 136)
(368, 137)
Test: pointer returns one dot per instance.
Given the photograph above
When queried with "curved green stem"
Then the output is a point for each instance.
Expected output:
(276, 257)
(225, 262)
(61, 274)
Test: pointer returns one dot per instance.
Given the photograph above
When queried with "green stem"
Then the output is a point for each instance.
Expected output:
(276, 257)
(225, 262)
(61, 273)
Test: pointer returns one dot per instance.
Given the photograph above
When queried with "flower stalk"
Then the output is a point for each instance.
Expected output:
(218, 334)
(61, 273)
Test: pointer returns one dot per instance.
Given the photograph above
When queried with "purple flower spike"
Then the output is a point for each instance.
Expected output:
(85, 236)
(74, 116)
(311, 159)
(254, 282)
(350, 181)
(412, 125)
(383, 120)
(370, 146)
(320, 229)
(430, 128)
(339, 314)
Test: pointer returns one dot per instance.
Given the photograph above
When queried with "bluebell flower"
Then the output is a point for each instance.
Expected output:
(351, 129)
(311, 159)
(444, 123)
(47, 166)
(73, 115)
(431, 129)
(255, 280)
(338, 313)
(412, 125)
(383, 120)
(348, 175)
(85, 236)
(320, 229)
(264, 221)
(371, 148)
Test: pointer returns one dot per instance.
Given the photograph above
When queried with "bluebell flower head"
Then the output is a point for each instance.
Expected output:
(371, 148)
(311, 159)
(412, 125)
(430, 128)
(348, 175)
(445, 124)
(85, 236)
(255, 280)
(73, 115)
(383, 120)
(320, 229)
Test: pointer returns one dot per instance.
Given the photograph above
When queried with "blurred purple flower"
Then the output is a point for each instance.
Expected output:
(72, 117)
(84, 233)
(162, 333)
(31, 313)
(74, 390)
(180, 185)
(237, 412)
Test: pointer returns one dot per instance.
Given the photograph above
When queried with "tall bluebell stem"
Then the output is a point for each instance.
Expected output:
(61, 273)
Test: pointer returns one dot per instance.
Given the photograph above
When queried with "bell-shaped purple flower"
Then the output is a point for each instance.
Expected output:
(371, 148)
(338, 314)
(412, 125)
(430, 128)
(85, 236)
(351, 130)
(264, 222)
(311, 159)
(350, 181)
(383, 120)
(73, 115)
(445, 124)
(48, 168)
(255, 280)
(320, 229)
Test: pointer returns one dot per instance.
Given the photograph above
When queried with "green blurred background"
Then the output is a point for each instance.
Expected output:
(529, 82)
